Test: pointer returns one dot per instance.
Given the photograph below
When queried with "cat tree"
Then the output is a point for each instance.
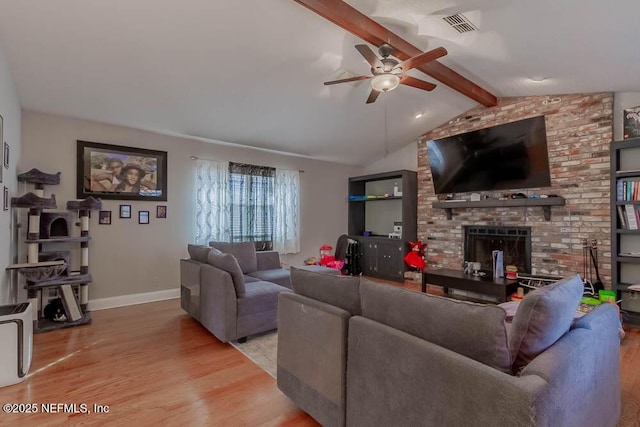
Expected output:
(45, 270)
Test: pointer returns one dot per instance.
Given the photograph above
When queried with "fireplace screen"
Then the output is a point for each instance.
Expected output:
(515, 242)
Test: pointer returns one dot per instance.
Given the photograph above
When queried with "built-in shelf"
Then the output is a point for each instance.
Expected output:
(375, 207)
(624, 286)
(627, 231)
(545, 204)
(629, 259)
(374, 199)
(627, 174)
(628, 202)
(59, 240)
(624, 164)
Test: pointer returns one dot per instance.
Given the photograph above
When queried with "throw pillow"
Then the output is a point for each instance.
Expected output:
(543, 317)
(245, 254)
(476, 331)
(341, 291)
(198, 252)
(228, 263)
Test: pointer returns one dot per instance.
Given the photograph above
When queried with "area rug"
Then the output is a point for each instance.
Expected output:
(262, 350)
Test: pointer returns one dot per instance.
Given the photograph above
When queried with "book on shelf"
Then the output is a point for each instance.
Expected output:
(627, 190)
(623, 218)
(629, 217)
(619, 190)
(632, 220)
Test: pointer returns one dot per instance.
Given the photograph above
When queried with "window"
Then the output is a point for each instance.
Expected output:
(236, 202)
(251, 198)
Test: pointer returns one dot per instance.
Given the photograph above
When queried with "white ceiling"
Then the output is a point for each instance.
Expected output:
(251, 71)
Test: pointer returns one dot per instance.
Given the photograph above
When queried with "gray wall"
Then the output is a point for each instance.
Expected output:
(10, 112)
(127, 258)
(405, 158)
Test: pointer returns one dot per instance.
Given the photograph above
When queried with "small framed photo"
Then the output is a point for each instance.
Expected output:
(125, 211)
(631, 122)
(161, 211)
(104, 217)
(5, 199)
(6, 155)
(143, 217)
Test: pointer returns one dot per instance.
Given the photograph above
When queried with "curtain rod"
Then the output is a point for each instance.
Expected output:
(214, 160)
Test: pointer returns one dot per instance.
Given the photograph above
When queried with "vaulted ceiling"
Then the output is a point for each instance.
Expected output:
(251, 72)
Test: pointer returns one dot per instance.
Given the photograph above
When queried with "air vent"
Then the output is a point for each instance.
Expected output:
(460, 23)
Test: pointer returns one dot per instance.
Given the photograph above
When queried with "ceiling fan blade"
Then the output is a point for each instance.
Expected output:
(369, 55)
(373, 96)
(423, 58)
(420, 84)
(350, 79)
(345, 16)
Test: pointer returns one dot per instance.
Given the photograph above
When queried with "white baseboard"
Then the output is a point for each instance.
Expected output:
(133, 299)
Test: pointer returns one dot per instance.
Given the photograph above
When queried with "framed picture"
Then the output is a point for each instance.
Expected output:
(631, 122)
(104, 217)
(121, 173)
(6, 155)
(5, 199)
(125, 211)
(143, 217)
(161, 211)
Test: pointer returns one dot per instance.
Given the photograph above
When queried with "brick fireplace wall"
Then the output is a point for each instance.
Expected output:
(579, 132)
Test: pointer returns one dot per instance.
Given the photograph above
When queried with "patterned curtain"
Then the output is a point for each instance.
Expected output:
(212, 202)
(252, 203)
(286, 233)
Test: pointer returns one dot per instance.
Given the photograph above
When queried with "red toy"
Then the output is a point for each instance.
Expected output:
(415, 258)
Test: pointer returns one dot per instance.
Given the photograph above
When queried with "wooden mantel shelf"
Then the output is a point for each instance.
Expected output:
(545, 204)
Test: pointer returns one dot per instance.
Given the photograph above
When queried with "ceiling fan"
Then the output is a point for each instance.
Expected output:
(387, 72)
(354, 21)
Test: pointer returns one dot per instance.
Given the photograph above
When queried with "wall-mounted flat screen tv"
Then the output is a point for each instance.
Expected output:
(509, 156)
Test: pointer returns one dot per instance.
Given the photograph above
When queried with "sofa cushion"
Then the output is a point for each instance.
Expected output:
(259, 297)
(341, 291)
(244, 252)
(279, 276)
(473, 330)
(543, 317)
(248, 279)
(228, 263)
(198, 252)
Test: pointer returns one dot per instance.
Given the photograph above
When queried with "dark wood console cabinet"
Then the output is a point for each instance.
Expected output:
(374, 207)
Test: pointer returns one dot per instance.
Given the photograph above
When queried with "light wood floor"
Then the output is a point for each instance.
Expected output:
(152, 364)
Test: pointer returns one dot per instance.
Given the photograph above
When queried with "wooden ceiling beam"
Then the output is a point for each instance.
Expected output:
(350, 19)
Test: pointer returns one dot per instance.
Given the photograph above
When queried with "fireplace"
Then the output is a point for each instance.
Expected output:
(515, 242)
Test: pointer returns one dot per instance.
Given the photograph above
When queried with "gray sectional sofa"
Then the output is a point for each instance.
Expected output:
(231, 289)
(356, 353)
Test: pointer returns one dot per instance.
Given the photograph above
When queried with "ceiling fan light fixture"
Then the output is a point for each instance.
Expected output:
(385, 82)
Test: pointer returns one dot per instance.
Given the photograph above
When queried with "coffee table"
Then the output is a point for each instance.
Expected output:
(499, 288)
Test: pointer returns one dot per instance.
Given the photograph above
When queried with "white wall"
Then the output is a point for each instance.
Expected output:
(405, 158)
(11, 115)
(622, 100)
(127, 258)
